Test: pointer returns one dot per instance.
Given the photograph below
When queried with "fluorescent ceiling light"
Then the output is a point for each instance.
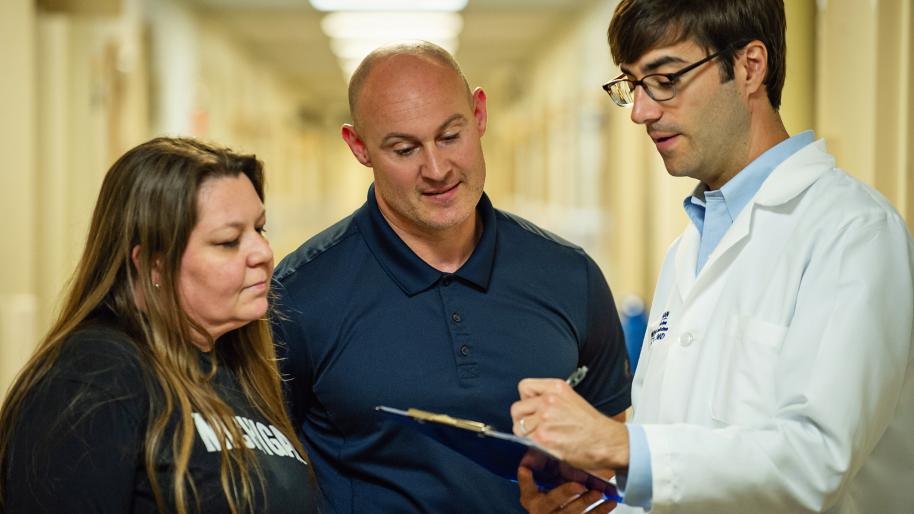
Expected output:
(389, 5)
(405, 25)
(354, 34)
(357, 49)
(350, 53)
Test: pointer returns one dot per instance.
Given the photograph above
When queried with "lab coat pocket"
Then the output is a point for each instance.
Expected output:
(745, 390)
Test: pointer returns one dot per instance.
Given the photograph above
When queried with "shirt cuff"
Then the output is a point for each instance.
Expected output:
(636, 485)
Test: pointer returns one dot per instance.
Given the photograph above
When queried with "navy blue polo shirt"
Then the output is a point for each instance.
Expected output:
(362, 321)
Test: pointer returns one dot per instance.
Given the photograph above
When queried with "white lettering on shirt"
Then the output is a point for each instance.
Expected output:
(266, 438)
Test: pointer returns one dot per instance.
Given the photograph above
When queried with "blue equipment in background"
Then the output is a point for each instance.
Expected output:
(634, 324)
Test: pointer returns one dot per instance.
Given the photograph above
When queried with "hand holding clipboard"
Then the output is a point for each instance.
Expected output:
(499, 452)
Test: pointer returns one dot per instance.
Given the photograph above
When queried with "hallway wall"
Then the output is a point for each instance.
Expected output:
(18, 301)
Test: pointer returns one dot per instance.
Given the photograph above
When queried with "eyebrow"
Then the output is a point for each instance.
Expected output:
(656, 63)
(240, 224)
(402, 135)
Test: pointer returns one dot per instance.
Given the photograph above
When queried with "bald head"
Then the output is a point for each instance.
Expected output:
(383, 59)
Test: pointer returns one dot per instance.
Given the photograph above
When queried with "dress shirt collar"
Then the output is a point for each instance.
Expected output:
(740, 189)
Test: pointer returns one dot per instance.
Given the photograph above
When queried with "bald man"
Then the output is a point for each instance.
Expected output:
(428, 297)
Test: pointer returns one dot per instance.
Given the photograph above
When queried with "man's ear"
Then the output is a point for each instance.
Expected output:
(356, 145)
(479, 110)
(754, 67)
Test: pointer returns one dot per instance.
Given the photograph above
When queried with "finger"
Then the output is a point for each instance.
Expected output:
(524, 426)
(528, 487)
(584, 501)
(602, 507)
(531, 498)
(538, 502)
(532, 387)
(571, 500)
(524, 408)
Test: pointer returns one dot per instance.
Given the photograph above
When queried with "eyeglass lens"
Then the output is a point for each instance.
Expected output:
(622, 93)
(657, 87)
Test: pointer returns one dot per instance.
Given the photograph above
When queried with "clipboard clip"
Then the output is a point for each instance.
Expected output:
(444, 419)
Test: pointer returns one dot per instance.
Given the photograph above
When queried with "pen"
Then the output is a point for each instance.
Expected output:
(575, 378)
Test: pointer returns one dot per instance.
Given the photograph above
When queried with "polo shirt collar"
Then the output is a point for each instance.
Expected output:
(405, 268)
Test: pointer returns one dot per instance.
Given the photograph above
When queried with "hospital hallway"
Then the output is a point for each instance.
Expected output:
(85, 80)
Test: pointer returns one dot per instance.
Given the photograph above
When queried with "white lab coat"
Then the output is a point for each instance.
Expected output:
(781, 380)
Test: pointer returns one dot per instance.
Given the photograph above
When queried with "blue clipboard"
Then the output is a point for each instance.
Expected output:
(499, 452)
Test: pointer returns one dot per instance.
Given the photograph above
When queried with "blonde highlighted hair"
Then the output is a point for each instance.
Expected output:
(148, 200)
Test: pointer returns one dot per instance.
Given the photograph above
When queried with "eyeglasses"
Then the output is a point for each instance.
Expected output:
(659, 86)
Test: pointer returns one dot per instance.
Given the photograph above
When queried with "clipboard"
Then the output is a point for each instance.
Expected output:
(499, 452)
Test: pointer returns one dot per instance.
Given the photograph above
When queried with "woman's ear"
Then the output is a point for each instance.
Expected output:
(135, 257)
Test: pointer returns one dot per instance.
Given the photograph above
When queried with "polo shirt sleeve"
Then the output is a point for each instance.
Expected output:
(608, 383)
(291, 351)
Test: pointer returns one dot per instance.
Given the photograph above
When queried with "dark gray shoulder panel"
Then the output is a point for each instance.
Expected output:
(314, 247)
(534, 229)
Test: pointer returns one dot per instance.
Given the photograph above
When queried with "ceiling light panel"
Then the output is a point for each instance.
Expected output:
(389, 5)
(392, 25)
(353, 34)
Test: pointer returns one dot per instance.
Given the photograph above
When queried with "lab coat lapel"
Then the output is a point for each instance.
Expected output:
(686, 259)
(786, 181)
(794, 175)
(734, 235)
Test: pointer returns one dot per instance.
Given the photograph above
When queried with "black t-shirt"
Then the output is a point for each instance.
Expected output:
(78, 445)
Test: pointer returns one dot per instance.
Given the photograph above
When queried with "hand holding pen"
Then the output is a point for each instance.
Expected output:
(554, 416)
(573, 380)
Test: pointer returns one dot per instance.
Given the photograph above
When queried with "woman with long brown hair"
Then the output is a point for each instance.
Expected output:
(157, 389)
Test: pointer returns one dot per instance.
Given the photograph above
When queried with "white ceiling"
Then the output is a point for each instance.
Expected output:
(286, 34)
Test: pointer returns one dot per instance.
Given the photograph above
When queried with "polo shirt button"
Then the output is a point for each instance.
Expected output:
(446, 281)
(456, 317)
(464, 350)
(686, 339)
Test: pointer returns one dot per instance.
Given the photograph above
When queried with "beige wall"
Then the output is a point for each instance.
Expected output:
(797, 108)
(79, 100)
(863, 108)
(18, 302)
(91, 106)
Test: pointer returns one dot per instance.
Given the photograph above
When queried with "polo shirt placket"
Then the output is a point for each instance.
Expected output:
(449, 288)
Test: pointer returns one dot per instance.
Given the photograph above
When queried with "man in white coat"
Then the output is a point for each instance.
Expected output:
(776, 375)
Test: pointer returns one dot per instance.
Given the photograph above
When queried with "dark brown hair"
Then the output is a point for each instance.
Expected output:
(716, 25)
(148, 200)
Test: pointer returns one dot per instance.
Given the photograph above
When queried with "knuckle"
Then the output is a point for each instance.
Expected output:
(544, 437)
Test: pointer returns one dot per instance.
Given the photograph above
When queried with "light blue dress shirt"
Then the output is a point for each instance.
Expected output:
(712, 215)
